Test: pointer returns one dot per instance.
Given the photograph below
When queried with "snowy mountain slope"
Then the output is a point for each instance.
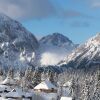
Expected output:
(85, 55)
(57, 39)
(17, 45)
(53, 48)
(19, 48)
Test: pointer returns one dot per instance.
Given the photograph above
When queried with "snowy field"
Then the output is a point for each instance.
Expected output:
(66, 98)
(13, 92)
(18, 93)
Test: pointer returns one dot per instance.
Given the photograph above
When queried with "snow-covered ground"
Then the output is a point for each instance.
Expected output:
(66, 98)
(18, 93)
(13, 92)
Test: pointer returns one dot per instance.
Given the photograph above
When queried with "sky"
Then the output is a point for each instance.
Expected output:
(76, 19)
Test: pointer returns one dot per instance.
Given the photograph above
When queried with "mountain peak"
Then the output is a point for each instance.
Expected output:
(53, 49)
(4, 17)
(56, 39)
(56, 33)
(61, 37)
(12, 30)
(16, 43)
(94, 41)
(85, 55)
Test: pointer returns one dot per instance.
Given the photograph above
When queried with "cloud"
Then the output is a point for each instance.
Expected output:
(90, 3)
(73, 13)
(52, 55)
(49, 58)
(95, 3)
(27, 8)
(37, 9)
(80, 24)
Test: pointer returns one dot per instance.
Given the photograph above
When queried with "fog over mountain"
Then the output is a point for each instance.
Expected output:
(19, 47)
(53, 48)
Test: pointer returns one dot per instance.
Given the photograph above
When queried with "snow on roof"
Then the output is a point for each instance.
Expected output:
(8, 81)
(28, 94)
(67, 84)
(66, 98)
(4, 87)
(2, 98)
(45, 85)
(48, 96)
(13, 94)
(16, 93)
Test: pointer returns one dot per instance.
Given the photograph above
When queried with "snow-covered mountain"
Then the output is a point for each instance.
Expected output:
(85, 56)
(17, 45)
(53, 48)
(59, 40)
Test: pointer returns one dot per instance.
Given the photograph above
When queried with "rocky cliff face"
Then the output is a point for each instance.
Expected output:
(85, 55)
(17, 45)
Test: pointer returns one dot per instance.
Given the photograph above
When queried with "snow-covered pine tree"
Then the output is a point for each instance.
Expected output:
(55, 79)
(36, 77)
(51, 77)
(28, 74)
(1, 74)
(98, 73)
(43, 76)
(10, 73)
(1, 71)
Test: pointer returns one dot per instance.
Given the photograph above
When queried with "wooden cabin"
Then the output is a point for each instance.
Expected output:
(46, 86)
(9, 82)
(18, 94)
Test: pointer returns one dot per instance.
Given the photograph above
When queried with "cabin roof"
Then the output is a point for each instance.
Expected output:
(45, 85)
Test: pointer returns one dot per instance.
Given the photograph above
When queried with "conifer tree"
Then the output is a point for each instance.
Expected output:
(11, 73)
(37, 77)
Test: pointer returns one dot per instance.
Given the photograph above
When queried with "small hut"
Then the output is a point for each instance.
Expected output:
(18, 94)
(46, 86)
(8, 81)
(4, 89)
(14, 95)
